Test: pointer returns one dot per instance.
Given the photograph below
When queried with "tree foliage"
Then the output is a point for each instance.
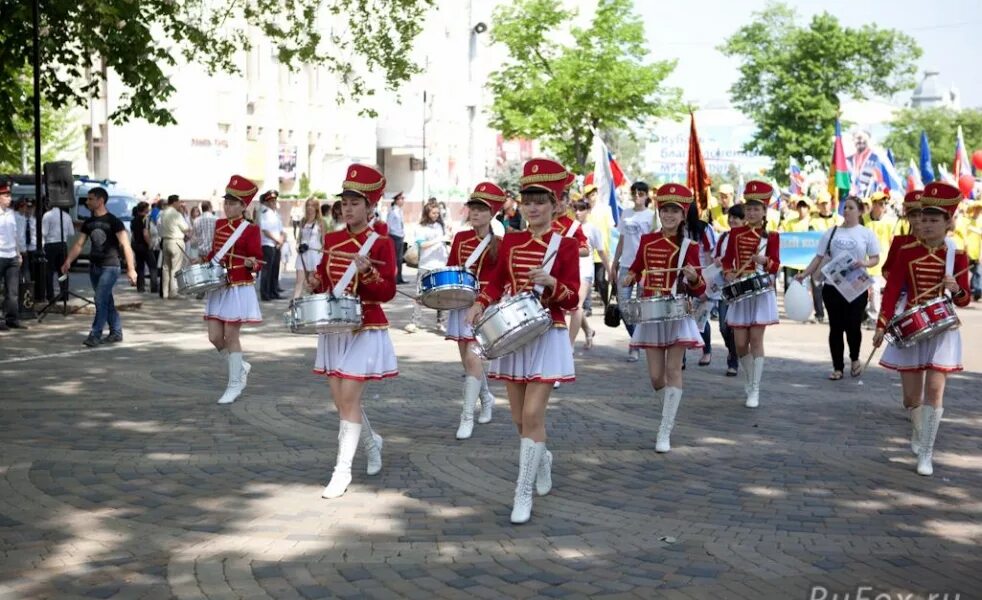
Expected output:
(555, 86)
(941, 125)
(792, 78)
(142, 40)
(59, 134)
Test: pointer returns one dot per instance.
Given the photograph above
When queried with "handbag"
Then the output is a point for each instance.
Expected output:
(411, 256)
(612, 313)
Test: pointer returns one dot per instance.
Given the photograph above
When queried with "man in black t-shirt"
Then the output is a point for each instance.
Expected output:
(108, 236)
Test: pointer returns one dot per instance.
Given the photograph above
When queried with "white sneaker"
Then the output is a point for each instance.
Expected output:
(555, 385)
(411, 328)
(633, 355)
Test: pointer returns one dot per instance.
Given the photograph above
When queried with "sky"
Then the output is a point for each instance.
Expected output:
(948, 31)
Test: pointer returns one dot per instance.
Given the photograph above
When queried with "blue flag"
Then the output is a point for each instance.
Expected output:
(927, 171)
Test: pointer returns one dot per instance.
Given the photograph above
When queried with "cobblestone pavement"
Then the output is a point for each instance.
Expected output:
(121, 478)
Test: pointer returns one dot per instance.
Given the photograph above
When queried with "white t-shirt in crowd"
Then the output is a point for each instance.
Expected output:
(857, 241)
(435, 256)
(632, 226)
(594, 240)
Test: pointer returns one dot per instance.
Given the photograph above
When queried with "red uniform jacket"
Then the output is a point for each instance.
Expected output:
(895, 245)
(743, 244)
(464, 244)
(521, 252)
(561, 225)
(374, 287)
(249, 245)
(656, 253)
(918, 268)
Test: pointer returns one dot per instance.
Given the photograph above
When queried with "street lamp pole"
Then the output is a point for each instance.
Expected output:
(40, 199)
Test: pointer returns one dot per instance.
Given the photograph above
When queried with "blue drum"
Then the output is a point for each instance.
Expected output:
(448, 288)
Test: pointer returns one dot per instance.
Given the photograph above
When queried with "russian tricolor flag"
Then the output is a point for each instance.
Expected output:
(607, 176)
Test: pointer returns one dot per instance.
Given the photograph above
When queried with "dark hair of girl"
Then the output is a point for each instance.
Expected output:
(695, 227)
(736, 211)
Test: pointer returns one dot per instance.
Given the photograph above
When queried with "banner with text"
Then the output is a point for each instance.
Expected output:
(798, 249)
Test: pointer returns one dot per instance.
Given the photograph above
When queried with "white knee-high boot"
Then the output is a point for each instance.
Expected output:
(472, 387)
(915, 416)
(246, 367)
(543, 475)
(753, 398)
(669, 408)
(487, 401)
(348, 434)
(930, 422)
(235, 384)
(371, 442)
(747, 367)
(529, 457)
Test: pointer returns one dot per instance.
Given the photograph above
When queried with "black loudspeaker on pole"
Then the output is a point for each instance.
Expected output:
(59, 184)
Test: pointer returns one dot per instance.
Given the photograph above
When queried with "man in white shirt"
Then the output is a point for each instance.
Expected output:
(203, 230)
(633, 224)
(174, 231)
(397, 231)
(273, 238)
(27, 229)
(11, 247)
(57, 230)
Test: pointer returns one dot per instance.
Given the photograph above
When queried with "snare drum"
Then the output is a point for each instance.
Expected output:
(747, 286)
(448, 288)
(324, 313)
(201, 278)
(511, 324)
(922, 322)
(655, 309)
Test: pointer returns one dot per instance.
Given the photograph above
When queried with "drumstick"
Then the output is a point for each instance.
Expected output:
(930, 291)
(863, 372)
(670, 270)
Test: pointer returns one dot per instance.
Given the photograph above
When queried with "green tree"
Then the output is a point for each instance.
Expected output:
(941, 125)
(792, 78)
(141, 41)
(556, 92)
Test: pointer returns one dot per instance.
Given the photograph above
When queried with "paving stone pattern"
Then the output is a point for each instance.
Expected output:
(121, 478)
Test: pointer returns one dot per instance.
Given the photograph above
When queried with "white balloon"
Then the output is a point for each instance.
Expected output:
(797, 302)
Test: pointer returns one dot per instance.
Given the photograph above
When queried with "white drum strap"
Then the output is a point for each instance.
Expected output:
(681, 263)
(573, 229)
(472, 259)
(349, 273)
(227, 246)
(761, 249)
(550, 259)
(949, 258)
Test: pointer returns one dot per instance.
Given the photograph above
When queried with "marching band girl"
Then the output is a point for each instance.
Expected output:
(927, 268)
(543, 258)
(485, 202)
(661, 256)
(752, 249)
(227, 308)
(359, 262)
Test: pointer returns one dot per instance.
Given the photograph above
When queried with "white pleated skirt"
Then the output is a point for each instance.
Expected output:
(363, 356)
(669, 333)
(233, 304)
(942, 353)
(548, 359)
(753, 312)
(457, 329)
